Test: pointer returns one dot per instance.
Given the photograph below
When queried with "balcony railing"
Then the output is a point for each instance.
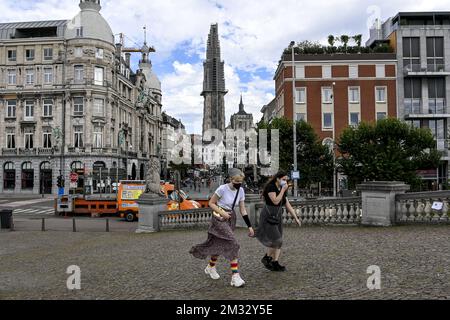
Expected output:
(27, 152)
(9, 152)
(76, 150)
(428, 69)
(45, 151)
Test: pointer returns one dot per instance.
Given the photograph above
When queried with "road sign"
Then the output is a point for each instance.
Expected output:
(295, 175)
(60, 191)
(73, 177)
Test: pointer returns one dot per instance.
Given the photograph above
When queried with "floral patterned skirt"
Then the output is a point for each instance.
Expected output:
(221, 240)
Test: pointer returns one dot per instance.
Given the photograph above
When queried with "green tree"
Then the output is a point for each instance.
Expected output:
(389, 150)
(358, 40)
(331, 40)
(314, 160)
(344, 40)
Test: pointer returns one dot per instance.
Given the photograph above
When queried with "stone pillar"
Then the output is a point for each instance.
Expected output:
(150, 205)
(378, 202)
(251, 200)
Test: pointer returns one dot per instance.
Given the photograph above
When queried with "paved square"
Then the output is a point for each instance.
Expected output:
(322, 262)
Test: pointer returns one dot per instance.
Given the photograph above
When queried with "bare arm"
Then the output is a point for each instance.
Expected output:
(213, 205)
(291, 210)
(243, 209)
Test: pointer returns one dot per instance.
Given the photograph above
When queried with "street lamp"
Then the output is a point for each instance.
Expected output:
(292, 45)
(334, 147)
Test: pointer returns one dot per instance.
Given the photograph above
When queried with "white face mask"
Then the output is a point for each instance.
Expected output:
(283, 183)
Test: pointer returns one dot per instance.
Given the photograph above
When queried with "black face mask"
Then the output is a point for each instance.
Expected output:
(237, 185)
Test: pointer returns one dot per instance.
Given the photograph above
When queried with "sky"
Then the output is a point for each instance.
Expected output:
(253, 34)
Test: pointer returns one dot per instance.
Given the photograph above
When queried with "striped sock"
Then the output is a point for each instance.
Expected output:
(213, 261)
(234, 268)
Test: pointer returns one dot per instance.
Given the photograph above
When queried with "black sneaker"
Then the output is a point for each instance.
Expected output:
(277, 267)
(267, 262)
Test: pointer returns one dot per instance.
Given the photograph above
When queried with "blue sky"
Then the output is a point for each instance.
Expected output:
(253, 35)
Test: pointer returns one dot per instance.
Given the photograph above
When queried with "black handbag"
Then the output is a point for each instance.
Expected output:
(274, 217)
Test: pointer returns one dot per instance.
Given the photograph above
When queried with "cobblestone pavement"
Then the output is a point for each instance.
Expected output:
(322, 262)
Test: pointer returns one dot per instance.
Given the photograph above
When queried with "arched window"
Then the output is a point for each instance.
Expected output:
(27, 176)
(9, 176)
(46, 166)
(76, 165)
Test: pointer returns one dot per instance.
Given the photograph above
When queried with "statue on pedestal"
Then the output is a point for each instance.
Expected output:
(153, 177)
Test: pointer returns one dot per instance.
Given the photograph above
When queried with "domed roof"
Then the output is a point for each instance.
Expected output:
(91, 22)
(152, 80)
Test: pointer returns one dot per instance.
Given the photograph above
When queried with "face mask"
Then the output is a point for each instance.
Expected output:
(237, 185)
(283, 183)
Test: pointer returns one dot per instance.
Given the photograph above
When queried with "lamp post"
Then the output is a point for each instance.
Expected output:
(292, 45)
(334, 147)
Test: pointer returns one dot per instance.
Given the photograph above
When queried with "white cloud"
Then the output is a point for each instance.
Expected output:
(253, 35)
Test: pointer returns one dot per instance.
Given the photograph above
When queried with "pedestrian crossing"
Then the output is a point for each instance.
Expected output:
(35, 211)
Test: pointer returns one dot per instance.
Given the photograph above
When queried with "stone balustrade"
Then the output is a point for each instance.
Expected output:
(418, 207)
(188, 219)
(321, 212)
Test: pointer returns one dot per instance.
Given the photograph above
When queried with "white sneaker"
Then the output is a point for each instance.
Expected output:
(236, 281)
(212, 272)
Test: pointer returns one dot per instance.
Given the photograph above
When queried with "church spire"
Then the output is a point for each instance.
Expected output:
(241, 105)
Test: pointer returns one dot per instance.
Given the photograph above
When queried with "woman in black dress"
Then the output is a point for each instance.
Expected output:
(270, 229)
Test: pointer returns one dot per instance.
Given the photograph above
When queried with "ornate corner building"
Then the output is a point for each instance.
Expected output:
(70, 102)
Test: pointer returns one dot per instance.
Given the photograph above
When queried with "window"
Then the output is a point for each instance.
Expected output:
(327, 120)
(79, 74)
(29, 110)
(12, 55)
(411, 53)
(326, 72)
(29, 54)
(327, 95)
(301, 95)
(98, 137)
(29, 141)
(98, 77)
(78, 52)
(301, 116)
(436, 96)
(353, 71)
(380, 71)
(30, 76)
(300, 72)
(380, 94)
(435, 54)
(413, 96)
(11, 109)
(27, 176)
(78, 106)
(48, 53)
(47, 138)
(353, 95)
(80, 32)
(99, 53)
(9, 177)
(354, 118)
(78, 136)
(12, 77)
(99, 107)
(381, 116)
(48, 75)
(48, 108)
(10, 140)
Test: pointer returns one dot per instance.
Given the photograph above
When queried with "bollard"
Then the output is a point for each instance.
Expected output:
(74, 225)
(43, 225)
(12, 223)
(107, 225)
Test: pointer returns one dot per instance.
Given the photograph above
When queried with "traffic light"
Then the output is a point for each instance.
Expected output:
(60, 182)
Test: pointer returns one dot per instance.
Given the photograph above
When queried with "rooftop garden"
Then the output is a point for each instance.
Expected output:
(347, 45)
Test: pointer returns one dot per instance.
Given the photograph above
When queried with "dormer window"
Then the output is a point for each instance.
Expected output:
(80, 32)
